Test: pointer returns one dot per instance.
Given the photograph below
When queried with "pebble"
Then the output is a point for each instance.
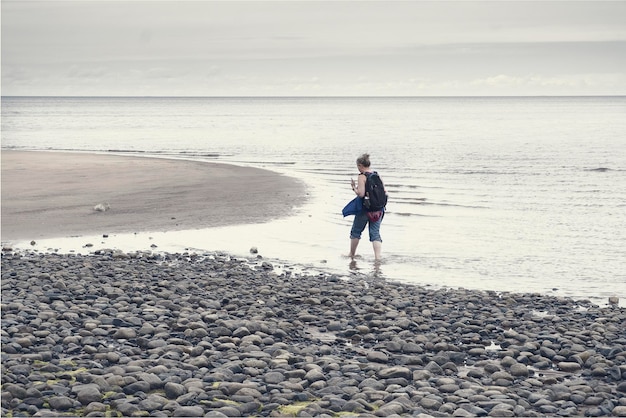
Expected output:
(153, 334)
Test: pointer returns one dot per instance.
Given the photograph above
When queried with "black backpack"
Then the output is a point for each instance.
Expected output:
(375, 196)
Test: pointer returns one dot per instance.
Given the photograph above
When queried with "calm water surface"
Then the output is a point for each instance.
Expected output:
(508, 194)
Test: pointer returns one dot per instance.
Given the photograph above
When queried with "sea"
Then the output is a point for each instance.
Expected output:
(506, 194)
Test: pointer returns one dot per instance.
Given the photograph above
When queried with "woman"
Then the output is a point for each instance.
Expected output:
(361, 219)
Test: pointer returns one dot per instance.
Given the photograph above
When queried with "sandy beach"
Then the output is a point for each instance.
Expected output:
(54, 194)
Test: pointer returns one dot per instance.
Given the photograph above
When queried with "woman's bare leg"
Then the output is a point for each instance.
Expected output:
(354, 242)
(378, 247)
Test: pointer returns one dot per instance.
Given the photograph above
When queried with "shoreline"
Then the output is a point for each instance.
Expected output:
(191, 334)
(194, 334)
(50, 194)
(184, 232)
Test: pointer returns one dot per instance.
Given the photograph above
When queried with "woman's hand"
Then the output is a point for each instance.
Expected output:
(355, 187)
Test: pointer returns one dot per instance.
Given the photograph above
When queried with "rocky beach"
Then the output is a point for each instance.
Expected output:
(152, 334)
(120, 334)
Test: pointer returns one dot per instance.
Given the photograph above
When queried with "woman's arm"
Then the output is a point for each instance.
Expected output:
(360, 185)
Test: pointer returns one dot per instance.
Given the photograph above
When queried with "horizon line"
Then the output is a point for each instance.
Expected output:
(311, 97)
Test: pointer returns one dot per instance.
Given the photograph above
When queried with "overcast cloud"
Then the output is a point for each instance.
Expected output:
(232, 48)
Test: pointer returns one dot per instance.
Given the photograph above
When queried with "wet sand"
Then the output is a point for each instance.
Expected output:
(55, 194)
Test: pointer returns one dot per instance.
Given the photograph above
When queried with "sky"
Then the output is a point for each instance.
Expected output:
(313, 48)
